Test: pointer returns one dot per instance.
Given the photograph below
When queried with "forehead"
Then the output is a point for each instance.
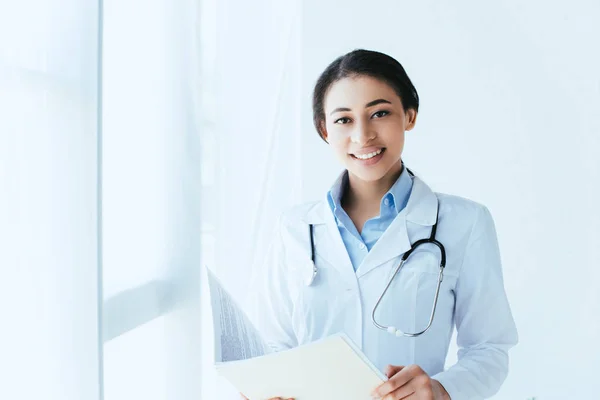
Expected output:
(355, 92)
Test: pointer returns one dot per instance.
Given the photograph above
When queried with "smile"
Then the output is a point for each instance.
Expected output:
(368, 155)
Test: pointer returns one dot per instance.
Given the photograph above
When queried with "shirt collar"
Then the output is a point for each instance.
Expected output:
(397, 195)
(399, 192)
(334, 196)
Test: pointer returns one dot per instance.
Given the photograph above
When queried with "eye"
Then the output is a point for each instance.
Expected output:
(380, 114)
(343, 120)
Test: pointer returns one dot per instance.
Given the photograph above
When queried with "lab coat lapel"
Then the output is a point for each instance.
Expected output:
(420, 211)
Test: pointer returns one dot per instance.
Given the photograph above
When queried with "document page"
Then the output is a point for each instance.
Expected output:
(331, 368)
(235, 336)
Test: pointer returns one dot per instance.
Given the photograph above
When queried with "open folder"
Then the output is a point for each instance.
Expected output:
(330, 368)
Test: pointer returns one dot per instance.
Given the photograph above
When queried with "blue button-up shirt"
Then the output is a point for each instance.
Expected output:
(359, 244)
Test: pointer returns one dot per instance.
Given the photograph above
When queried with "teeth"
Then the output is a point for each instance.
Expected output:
(368, 155)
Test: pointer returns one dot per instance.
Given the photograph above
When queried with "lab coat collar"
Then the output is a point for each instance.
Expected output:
(422, 206)
(421, 210)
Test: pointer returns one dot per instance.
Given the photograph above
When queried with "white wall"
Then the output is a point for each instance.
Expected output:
(510, 101)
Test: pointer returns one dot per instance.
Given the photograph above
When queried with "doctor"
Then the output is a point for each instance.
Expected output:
(363, 104)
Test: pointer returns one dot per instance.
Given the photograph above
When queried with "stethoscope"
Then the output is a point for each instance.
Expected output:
(391, 329)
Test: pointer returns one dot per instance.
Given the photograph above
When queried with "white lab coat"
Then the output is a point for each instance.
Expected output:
(472, 295)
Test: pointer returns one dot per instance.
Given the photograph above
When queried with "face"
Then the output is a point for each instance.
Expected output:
(364, 125)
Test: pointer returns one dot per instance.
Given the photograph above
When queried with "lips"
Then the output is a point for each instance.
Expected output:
(369, 158)
(366, 156)
(367, 153)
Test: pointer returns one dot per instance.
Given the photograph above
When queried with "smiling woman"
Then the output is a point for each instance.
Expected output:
(371, 279)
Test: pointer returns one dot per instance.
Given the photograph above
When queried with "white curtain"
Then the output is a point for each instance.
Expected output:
(100, 194)
(257, 142)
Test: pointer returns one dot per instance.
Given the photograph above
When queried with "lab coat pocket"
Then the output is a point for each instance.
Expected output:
(319, 305)
(425, 259)
(408, 302)
(397, 306)
(427, 282)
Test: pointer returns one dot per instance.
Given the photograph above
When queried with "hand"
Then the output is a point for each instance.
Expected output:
(274, 398)
(409, 383)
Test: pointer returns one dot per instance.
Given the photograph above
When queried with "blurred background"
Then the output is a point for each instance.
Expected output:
(142, 140)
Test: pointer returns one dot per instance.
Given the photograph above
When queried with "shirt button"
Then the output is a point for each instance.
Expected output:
(362, 246)
(386, 202)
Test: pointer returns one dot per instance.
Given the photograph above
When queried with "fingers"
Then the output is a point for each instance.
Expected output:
(419, 387)
(408, 381)
(392, 370)
(395, 381)
(401, 393)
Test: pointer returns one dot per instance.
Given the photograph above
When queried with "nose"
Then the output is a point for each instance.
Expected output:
(362, 134)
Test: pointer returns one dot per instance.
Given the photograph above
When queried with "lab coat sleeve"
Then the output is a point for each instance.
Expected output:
(485, 326)
(270, 298)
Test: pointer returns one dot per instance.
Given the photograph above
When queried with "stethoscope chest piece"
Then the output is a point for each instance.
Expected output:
(310, 272)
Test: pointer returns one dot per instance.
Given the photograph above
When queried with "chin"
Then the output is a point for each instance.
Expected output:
(364, 174)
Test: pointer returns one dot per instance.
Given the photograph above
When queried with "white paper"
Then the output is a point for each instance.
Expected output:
(235, 336)
(332, 368)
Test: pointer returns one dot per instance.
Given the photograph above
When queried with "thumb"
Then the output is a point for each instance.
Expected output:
(392, 370)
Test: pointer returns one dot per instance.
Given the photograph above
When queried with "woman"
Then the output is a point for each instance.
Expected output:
(363, 104)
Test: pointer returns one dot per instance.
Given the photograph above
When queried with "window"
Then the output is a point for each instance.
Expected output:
(156, 179)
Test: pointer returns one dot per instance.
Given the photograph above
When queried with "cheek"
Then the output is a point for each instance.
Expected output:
(339, 150)
(395, 139)
(337, 141)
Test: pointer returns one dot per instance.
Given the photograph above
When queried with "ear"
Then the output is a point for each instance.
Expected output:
(411, 119)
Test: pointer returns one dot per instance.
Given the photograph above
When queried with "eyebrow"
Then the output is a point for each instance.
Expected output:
(369, 104)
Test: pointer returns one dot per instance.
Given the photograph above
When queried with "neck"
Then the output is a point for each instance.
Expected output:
(368, 194)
